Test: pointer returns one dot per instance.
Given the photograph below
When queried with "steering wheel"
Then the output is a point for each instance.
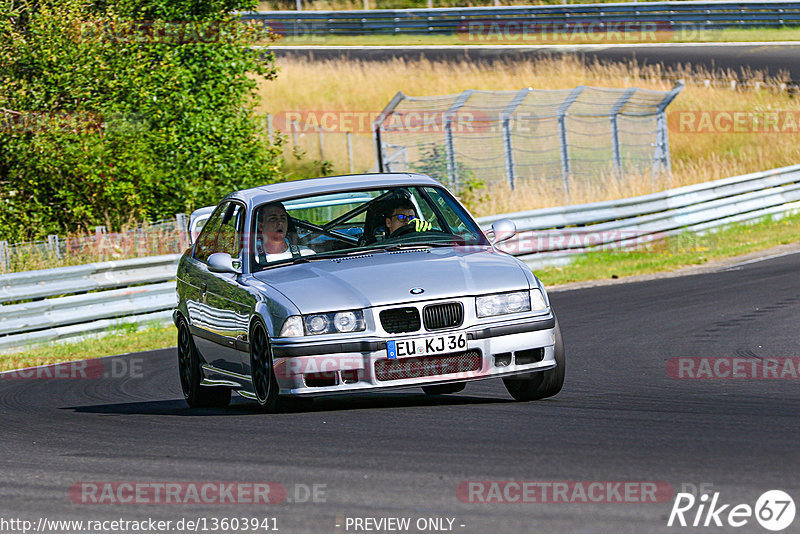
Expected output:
(403, 230)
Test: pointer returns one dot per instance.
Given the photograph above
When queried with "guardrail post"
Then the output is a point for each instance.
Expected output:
(452, 166)
(566, 171)
(5, 262)
(615, 131)
(508, 147)
(661, 156)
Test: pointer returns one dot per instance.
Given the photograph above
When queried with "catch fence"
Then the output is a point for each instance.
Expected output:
(558, 136)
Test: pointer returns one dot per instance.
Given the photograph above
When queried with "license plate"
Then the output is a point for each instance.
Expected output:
(423, 346)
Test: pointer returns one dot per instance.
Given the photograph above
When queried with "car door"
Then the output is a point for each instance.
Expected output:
(227, 297)
(212, 326)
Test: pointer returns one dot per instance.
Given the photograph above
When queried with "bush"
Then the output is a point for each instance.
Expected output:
(125, 110)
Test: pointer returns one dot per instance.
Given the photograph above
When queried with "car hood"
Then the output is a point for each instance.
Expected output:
(386, 278)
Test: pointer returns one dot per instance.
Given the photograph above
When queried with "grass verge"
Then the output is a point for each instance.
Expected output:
(120, 340)
(680, 251)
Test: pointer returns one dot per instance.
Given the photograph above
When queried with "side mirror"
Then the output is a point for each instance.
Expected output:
(503, 230)
(221, 262)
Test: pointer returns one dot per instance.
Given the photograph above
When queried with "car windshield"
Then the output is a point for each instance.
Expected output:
(340, 224)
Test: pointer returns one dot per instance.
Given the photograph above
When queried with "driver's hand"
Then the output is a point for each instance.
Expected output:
(420, 225)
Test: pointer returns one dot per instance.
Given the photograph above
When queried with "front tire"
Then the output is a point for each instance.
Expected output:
(542, 384)
(444, 389)
(265, 385)
(191, 374)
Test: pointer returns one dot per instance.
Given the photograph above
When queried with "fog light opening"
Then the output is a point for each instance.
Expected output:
(320, 380)
(526, 357)
(350, 376)
(502, 360)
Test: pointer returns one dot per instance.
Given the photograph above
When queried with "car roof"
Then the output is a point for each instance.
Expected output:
(329, 184)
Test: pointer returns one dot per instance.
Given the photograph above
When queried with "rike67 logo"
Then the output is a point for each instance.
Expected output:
(774, 510)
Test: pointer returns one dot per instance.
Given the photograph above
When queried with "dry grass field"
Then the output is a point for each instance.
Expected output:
(720, 150)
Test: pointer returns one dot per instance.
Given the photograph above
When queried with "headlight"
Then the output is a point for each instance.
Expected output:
(504, 303)
(292, 327)
(335, 322)
(347, 321)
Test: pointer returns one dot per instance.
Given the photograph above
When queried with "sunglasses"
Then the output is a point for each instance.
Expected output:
(402, 217)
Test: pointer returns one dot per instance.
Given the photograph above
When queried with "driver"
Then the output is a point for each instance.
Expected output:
(401, 213)
(272, 242)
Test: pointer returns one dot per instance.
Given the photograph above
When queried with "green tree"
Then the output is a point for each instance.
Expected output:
(126, 109)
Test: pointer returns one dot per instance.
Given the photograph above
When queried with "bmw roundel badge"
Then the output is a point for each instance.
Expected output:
(417, 291)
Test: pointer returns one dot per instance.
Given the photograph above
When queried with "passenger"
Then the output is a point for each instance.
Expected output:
(273, 241)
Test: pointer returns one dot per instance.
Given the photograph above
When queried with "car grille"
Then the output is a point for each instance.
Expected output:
(399, 320)
(422, 366)
(439, 316)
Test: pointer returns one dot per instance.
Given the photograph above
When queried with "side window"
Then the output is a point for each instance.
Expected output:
(230, 231)
(207, 240)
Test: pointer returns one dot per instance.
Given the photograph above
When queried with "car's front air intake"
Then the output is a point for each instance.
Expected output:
(399, 320)
(440, 316)
(424, 366)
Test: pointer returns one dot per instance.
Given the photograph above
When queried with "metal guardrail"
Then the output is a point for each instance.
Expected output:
(88, 298)
(555, 235)
(665, 16)
(94, 297)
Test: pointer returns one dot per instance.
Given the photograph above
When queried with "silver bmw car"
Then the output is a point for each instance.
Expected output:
(354, 283)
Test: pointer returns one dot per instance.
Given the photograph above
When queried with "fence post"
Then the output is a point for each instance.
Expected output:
(380, 166)
(562, 139)
(508, 147)
(99, 239)
(321, 149)
(53, 246)
(661, 156)
(350, 151)
(183, 228)
(294, 136)
(5, 262)
(615, 131)
(269, 126)
(452, 166)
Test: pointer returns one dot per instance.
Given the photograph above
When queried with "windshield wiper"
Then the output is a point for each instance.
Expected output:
(344, 253)
(427, 244)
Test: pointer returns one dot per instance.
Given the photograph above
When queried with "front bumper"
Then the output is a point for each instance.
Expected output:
(494, 350)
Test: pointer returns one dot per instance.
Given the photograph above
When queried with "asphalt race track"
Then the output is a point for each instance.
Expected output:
(777, 59)
(402, 454)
